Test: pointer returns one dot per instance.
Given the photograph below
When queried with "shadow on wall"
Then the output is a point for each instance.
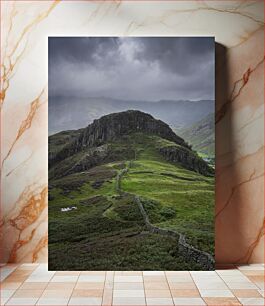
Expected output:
(228, 224)
(223, 138)
(224, 148)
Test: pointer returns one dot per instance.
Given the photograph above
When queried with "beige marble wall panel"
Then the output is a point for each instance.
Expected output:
(236, 25)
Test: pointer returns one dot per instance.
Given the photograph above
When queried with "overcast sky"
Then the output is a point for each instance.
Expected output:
(132, 68)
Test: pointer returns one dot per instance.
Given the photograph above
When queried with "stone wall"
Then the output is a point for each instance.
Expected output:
(186, 250)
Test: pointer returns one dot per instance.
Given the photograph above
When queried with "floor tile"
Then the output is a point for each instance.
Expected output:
(128, 286)
(182, 293)
(157, 293)
(53, 301)
(179, 278)
(188, 301)
(177, 273)
(128, 301)
(110, 275)
(41, 270)
(6, 293)
(128, 279)
(16, 278)
(42, 273)
(20, 272)
(253, 272)
(128, 293)
(33, 286)
(107, 297)
(154, 278)
(203, 273)
(156, 285)
(232, 272)
(261, 292)
(22, 301)
(216, 293)
(246, 293)
(211, 285)
(3, 300)
(159, 301)
(235, 278)
(152, 273)
(60, 286)
(89, 285)
(67, 273)
(56, 294)
(241, 285)
(128, 273)
(202, 278)
(85, 301)
(87, 293)
(28, 284)
(64, 279)
(28, 293)
(6, 271)
(251, 267)
(182, 286)
(28, 266)
(39, 278)
(215, 301)
(93, 273)
(205, 279)
(9, 285)
(108, 285)
(256, 278)
(260, 285)
(252, 301)
(91, 278)
(43, 266)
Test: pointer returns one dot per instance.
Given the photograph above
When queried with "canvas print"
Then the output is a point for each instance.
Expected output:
(131, 153)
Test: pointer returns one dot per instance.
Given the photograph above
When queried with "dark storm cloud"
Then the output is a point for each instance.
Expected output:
(79, 49)
(132, 68)
(180, 55)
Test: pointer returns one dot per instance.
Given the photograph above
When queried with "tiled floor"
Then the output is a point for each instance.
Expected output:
(33, 284)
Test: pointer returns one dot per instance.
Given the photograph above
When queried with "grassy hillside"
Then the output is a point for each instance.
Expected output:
(106, 231)
(201, 136)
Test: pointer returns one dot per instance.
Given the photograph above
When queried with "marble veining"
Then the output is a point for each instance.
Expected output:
(238, 27)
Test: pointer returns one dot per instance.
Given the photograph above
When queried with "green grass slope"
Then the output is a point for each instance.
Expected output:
(201, 136)
(106, 231)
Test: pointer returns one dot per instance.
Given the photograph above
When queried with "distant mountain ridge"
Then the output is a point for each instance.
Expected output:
(67, 113)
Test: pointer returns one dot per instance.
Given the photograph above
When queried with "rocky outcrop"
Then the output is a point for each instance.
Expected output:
(92, 142)
(113, 126)
(79, 162)
(110, 128)
(89, 158)
(187, 158)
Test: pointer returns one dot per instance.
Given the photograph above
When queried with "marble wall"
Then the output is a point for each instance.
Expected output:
(238, 29)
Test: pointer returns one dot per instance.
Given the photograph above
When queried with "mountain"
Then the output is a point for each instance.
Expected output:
(90, 146)
(126, 192)
(67, 113)
(201, 136)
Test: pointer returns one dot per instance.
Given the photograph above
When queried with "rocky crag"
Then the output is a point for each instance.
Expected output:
(88, 147)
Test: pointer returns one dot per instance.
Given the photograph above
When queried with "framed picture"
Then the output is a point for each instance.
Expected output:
(131, 153)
